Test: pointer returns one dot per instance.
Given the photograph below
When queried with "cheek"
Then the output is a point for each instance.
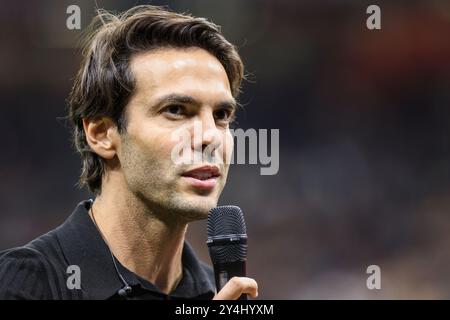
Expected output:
(152, 148)
(227, 147)
(156, 141)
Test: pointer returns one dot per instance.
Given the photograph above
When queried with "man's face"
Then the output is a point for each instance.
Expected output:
(177, 88)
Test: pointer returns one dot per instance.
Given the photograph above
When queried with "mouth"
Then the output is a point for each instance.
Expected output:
(204, 178)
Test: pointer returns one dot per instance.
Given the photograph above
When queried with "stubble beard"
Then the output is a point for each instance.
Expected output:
(158, 186)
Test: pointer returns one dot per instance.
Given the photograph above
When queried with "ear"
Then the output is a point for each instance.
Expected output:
(102, 136)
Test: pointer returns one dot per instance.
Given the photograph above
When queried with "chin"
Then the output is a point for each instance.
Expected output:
(194, 208)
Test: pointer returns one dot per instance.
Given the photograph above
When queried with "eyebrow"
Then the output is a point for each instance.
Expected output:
(186, 99)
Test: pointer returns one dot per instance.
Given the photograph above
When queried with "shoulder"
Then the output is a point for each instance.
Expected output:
(34, 271)
(24, 274)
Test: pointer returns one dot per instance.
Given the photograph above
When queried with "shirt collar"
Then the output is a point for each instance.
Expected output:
(83, 245)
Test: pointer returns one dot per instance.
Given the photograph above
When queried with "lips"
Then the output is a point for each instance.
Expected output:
(203, 173)
(203, 178)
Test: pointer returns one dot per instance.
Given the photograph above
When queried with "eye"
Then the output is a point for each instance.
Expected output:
(224, 115)
(174, 110)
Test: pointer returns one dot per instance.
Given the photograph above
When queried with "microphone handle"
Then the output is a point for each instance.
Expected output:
(223, 272)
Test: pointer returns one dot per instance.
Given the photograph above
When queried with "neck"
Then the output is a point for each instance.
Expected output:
(144, 244)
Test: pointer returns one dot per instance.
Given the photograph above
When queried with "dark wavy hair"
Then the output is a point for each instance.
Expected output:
(104, 82)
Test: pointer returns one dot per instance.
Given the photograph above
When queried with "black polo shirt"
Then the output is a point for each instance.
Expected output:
(40, 269)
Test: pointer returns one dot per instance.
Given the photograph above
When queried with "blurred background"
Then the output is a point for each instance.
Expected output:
(364, 119)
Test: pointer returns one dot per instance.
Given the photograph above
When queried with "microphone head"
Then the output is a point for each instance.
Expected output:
(227, 234)
(226, 220)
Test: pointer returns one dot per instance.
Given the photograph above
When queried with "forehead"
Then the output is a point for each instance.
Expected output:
(173, 70)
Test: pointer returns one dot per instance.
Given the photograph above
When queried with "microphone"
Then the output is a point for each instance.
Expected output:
(227, 244)
(125, 291)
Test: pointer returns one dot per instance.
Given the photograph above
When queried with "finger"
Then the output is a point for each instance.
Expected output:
(237, 286)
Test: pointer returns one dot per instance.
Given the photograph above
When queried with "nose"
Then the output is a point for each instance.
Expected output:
(205, 132)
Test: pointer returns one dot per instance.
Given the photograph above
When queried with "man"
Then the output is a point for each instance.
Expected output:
(144, 75)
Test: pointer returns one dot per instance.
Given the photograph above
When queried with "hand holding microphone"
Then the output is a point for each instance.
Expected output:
(227, 243)
(238, 287)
